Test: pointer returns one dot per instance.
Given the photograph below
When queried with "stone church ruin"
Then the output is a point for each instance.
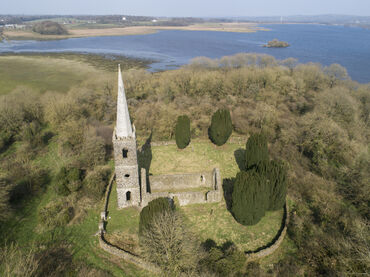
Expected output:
(133, 188)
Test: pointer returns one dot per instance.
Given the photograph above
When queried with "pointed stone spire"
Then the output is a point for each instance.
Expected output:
(123, 125)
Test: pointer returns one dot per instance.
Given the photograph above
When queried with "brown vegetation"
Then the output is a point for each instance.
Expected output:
(315, 118)
(49, 28)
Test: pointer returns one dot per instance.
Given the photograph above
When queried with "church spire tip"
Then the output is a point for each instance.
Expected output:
(123, 126)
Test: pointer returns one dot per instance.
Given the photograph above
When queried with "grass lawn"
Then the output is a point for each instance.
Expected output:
(214, 221)
(200, 155)
(208, 221)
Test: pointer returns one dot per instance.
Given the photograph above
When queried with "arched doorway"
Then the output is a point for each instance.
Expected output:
(128, 196)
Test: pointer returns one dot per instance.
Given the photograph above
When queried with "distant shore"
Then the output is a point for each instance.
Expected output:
(134, 30)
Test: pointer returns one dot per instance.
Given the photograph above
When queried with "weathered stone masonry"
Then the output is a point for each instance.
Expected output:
(211, 181)
(132, 192)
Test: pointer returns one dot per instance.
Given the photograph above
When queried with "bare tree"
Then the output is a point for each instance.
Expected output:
(167, 243)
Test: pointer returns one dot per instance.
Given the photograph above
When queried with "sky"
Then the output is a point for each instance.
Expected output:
(196, 8)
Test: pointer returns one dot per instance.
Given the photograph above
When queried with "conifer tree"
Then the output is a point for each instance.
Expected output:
(221, 127)
(256, 150)
(250, 197)
(156, 206)
(182, 131)
(276, 175)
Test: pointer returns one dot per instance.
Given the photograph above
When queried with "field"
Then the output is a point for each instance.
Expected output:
(58, 72)
(132, 30)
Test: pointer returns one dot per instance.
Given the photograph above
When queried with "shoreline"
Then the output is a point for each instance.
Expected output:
(134, 30)
(103, 61)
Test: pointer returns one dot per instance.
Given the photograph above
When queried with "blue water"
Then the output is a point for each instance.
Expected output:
(348, 46)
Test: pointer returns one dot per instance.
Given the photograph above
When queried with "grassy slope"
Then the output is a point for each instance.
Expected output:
(45, 74)
(24, 228)
(56, 74)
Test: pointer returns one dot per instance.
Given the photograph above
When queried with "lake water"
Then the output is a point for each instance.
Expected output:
(348, 46)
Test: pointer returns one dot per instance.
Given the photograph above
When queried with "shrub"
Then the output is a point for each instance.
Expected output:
(5, 208)
(68, 180)
(154, 207)
(182, 131)
(225, 260)
(93, 151)
(96, 181)
(56, 214)
(5, 140)
(256, 150)
(49, 28)
(250, 197)
(31, 133)
(221, 127)
(17, 261)
(275, 173)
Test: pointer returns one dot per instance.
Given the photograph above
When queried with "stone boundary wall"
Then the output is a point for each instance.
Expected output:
(237, 140)
(276, 242)
(127, 256)
(114, 250)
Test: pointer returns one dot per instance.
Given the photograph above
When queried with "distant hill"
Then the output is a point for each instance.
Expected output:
(49, 28)
(323, 19)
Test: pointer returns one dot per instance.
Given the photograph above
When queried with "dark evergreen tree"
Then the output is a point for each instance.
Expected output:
(256, 150)
(250, 197)
(221, 127)
(182, 131)
(154, 207)
(276, 175)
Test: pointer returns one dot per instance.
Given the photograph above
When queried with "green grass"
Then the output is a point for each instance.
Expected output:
(214, 221)
(208, 221)
(124, 220)
(200, 155)
(24, 227)
(41, 74)
(59, 72)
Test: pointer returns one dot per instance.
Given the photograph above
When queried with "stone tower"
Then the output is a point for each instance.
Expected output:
(125, 155)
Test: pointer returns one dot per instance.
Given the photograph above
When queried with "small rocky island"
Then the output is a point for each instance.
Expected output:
(276, 44)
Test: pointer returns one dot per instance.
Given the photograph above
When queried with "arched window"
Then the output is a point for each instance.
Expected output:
(128, 196)
(124, 153)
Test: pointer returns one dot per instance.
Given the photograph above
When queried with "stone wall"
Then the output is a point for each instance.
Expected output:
(276, 242)
(184, 198)
(233, 139)
(180, 181)
(210, 180)
(114, 250)
(127, 256)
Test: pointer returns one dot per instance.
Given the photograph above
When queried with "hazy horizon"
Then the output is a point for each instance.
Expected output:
(190, 8)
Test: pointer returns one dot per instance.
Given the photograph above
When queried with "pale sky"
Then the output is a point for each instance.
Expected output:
(196, 8)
